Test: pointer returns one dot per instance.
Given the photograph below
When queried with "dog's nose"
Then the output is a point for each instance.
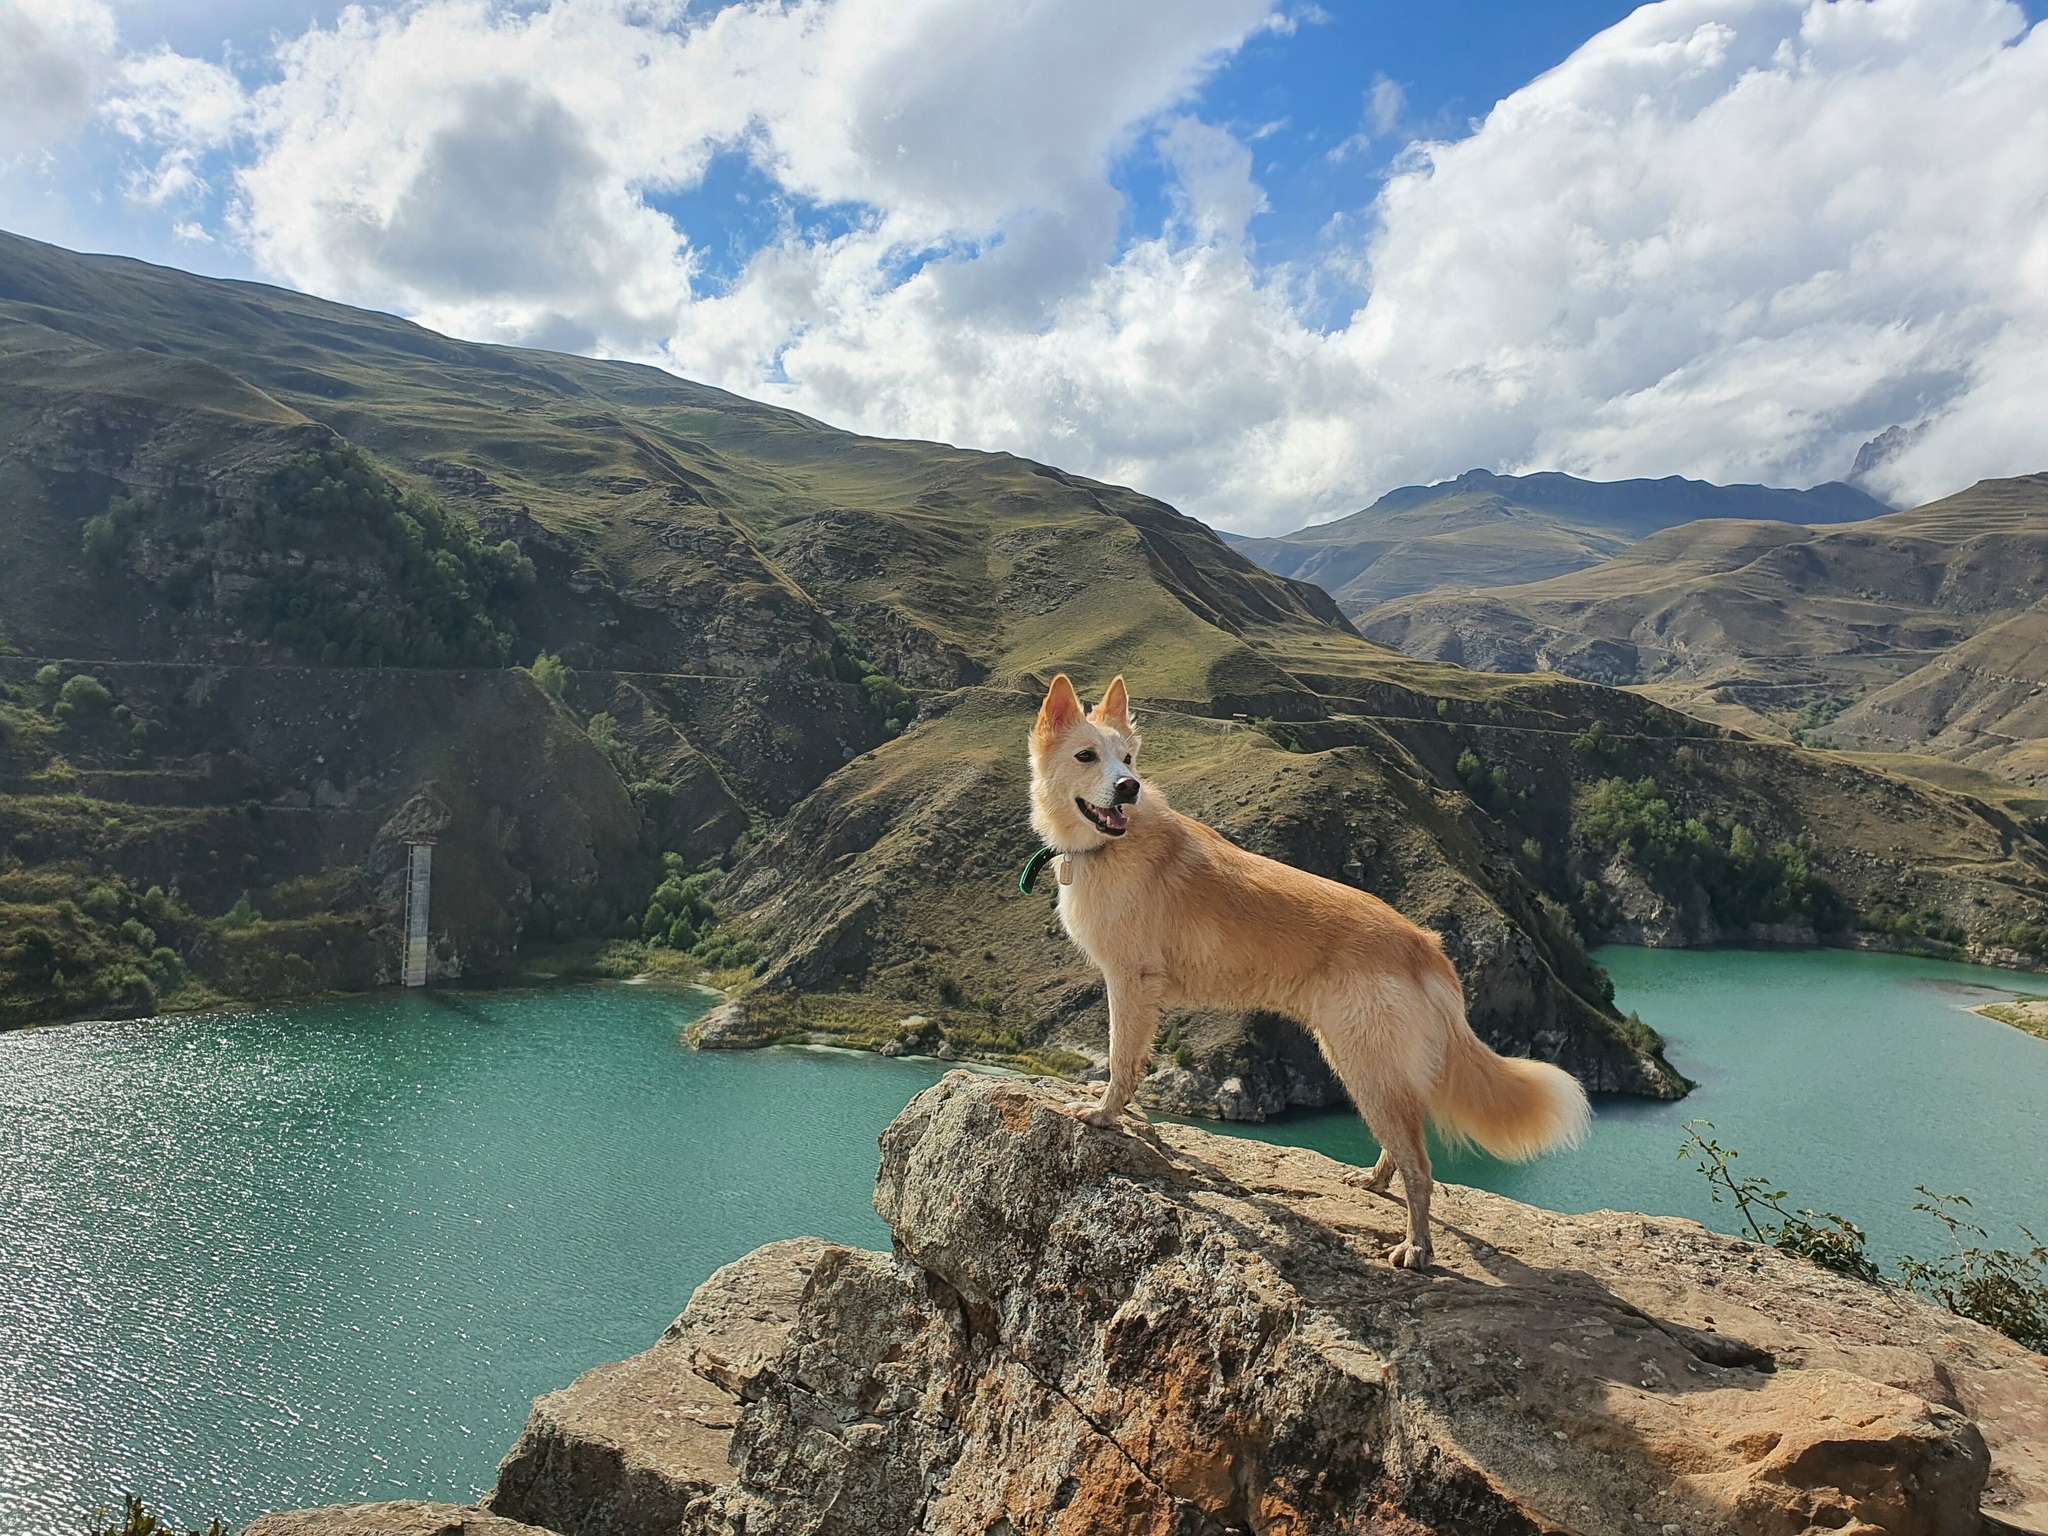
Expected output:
(1126, 791)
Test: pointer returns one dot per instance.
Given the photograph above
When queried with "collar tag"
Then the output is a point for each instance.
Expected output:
(1066, 868)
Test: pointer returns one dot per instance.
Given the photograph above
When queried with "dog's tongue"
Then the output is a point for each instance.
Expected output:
(1114, 817)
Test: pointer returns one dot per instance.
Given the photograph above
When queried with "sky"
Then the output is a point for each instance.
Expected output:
(1266, 259)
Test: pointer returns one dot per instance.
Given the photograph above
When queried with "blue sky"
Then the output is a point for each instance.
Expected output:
(1265, 258)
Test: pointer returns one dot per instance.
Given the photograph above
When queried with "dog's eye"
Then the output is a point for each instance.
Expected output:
(1085, 755)
(1127, 759)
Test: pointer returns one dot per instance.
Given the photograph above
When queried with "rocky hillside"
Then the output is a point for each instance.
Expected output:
(1173, 1332)
(1908, 632)
(1488, 530)
(674, 675)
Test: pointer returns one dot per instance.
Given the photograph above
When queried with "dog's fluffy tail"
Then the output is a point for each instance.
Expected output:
(1514, 1108)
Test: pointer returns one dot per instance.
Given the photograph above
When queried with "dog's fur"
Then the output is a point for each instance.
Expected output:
(1174, 914)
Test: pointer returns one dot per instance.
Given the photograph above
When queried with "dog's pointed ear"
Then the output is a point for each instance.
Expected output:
(1061, 709)
(1114, 712)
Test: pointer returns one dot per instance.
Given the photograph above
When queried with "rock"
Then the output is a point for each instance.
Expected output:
(405, 1518)
(723, 1028)
(945, 1052)
(1170, 1331)
(631, 1447)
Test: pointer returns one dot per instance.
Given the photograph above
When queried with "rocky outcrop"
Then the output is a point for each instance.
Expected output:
(642, 1445)
(1169, 1331)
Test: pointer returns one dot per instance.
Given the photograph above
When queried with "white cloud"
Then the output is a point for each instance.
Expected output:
(1384, 104)
(1734, 238)
(1730, 238)
(55, 57)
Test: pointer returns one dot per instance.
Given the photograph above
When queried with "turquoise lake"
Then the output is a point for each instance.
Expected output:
(256, 1260)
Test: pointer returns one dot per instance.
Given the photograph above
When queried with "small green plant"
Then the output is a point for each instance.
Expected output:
(2002, 1288)
(552, 676)
(135, 1520)
(1596, 746)
(241, 915)
(1831, 1241)
(1998, 1287)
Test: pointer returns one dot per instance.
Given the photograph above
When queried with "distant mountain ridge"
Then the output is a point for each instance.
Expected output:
(1487, 530)
(1920, 631)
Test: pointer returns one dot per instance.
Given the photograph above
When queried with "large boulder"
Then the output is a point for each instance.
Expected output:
(637, 1446)
(1168, 1331)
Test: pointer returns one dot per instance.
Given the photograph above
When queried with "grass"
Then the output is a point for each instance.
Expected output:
(2026, 1012)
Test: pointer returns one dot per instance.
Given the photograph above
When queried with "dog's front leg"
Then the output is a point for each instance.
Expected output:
(1133, 1020)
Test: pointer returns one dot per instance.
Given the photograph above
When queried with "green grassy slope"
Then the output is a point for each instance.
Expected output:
(1753, 622)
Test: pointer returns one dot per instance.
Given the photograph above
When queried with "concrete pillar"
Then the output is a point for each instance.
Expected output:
(419, 880)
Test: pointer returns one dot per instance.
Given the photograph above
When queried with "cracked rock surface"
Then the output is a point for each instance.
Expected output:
(1169, 1331)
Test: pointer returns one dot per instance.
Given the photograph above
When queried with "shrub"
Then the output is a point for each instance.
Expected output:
(1831, 1241)
(135, 1520)
(1999, 1288)
(33, 954)
(82, 701)
(552, 675)
(1596, 746)
(241, 915)
(678, 914)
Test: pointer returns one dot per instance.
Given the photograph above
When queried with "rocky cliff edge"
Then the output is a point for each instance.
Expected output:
(1176, 1332)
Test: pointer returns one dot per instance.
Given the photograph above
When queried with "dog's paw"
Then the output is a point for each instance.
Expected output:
(1378, 1184)
(1101, 1118)
(1410, 1255)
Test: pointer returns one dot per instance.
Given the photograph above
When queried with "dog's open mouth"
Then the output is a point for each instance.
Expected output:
(1109, 820)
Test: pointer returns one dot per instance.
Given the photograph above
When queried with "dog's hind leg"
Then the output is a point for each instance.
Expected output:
(1381, 1179)
(1380, 1062)
(1133, 1020)
(1396, 1122)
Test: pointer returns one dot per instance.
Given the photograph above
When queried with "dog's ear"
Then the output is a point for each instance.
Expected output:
(1114, 712)
(1060, 711)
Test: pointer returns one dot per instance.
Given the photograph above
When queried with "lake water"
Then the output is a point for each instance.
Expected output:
(304, 1255)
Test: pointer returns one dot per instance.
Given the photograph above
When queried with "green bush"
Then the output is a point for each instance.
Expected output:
(241, 915)
(1997, 1287)
(553, 677)
(33, 954)
(83, 701)
(441, 576)
(1831, 1241)
(135, 1520)
(678, 913)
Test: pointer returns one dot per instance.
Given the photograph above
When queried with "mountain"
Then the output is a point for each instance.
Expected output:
(1925, 621)
(1487, 530)
(676, 679)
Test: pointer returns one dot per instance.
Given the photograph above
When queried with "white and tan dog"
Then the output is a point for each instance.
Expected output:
(1174, 914)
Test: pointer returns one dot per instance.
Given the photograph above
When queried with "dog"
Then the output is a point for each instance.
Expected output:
(1173, 914)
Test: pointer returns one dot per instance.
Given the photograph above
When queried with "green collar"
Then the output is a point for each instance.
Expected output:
(1030, 876)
